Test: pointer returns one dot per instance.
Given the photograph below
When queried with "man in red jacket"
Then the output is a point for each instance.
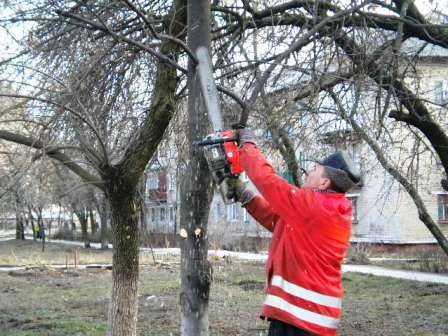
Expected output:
(311, 228)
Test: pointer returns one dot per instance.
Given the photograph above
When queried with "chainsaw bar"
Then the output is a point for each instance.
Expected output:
(208, 86)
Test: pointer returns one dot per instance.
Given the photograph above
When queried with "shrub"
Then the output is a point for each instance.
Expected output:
(432, 261)
(153, 239)
(64, 234)
(359, 254)
(96, 238)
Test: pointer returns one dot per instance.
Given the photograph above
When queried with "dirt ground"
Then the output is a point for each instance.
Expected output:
(40, 301)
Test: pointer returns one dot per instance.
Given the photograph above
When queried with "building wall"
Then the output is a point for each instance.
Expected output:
(161, 201)
(384, 210)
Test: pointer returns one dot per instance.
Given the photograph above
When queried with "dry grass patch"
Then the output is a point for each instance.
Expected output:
(41, 301)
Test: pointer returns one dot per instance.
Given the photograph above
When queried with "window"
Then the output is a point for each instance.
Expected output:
(153, 215)
(356, 156)
(172, 182)
(305, 163)
(153, 181)
(267, 135)
(162, 214)
(354, 200)
(442, 206)
(219, 209)
(171, 214)
(245, 216)
(232, 212)
(441, 91)
(163, 152)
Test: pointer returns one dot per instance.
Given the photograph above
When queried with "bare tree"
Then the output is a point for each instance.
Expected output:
(347, 42)
(86, 99)
(196, 190)
(108, 83)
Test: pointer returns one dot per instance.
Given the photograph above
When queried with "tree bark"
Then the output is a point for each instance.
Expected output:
(196, 191)
(123, 307)
(121, 187)
(143, 207)
(104, 216)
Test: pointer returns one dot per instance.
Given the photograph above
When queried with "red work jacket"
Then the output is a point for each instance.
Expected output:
(311, 232)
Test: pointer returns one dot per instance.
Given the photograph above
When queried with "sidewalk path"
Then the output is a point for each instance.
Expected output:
(399, 274)
(261, 257)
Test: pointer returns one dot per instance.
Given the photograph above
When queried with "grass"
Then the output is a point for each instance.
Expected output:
(40, 301)
(39, 327)
(29, 253)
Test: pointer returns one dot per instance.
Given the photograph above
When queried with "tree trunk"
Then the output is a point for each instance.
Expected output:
(93, 225)
(41, 227)
(82, 217)
(20, 231)
(43, 236)
(50, 225)
(31, 219)
(122, 318)
(25, 221)
(59, 216)
(84, 231)
(104, 215)
(143, 207)
(196, 192)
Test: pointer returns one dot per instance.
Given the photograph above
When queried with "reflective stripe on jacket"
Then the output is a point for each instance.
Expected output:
(311, 232)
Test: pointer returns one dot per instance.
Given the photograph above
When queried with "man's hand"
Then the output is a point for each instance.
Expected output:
(246, 136)
(239, 192)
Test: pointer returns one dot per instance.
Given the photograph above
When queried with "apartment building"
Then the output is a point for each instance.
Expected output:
(384, 213)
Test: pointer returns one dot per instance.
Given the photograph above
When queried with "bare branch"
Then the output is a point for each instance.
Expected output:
(141, 46)
(89, 124)
(68, 162)
(297, 45)
(158, 35)
(424, 216)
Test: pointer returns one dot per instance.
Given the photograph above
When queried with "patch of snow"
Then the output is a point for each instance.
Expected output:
(398, 274)
(262, 257)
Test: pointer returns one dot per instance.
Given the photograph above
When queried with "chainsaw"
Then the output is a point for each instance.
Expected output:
(222, 156)
(220, 148)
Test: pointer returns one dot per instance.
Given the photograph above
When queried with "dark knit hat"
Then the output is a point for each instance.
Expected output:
(341, 171)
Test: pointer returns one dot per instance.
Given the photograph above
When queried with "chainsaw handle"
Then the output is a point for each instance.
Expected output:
(208, 142)
(238, 126)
